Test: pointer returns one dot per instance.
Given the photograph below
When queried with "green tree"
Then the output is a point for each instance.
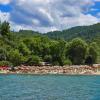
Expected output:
(23, 49)
(34, 45)
(5, 63)
(5, 29)
(14, 57)
(89, 60)
(48, 58)
(92, 54)
(67, 62)
(3, 54)
(93, 51)
(58, 52)
(76, 51)
(34, 60)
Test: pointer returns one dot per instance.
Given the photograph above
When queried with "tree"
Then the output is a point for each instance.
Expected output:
(34, 60)
(93, 51)
(76, 51)
(92, 54)
(14, 57)
(34, 45)
(23, 49)
(67, 62)
(5, 29)
(89, 60)
(0, 26)
(48, 58)
(5, 63)
(3, 54)
(58, 52)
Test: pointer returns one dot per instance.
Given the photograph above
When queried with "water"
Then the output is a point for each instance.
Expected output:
(49, 87)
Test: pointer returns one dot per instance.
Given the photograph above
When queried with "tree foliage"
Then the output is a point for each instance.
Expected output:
(32, 48)
(34, 60)
(14, 57)
(76, 51)
(92, 54)
(5, 29)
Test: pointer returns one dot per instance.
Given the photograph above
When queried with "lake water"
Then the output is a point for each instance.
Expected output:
(49, 87)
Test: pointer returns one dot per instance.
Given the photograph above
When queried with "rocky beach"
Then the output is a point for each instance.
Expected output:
(68, 70)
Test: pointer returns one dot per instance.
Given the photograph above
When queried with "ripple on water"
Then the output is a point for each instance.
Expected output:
(49, 87)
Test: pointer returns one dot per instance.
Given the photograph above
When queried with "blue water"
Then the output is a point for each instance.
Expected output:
(49, 87)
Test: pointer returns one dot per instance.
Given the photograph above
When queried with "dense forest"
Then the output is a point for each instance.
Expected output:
(85, 32)
(78, 45)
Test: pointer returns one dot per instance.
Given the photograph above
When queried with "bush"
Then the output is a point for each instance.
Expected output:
(34, 60)
(89, 60)
(5, 63)
(24, 59)
(93, 52)
(15, 57)
(76, 51)
(55, 63)
(3, 54)
(23, 49)
(67, 62)
(48, 58)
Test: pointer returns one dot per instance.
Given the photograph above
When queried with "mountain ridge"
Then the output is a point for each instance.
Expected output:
(85, 32)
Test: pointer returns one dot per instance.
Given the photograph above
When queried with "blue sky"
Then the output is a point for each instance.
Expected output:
(49, 15)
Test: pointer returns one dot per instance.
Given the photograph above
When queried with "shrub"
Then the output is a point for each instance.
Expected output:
(76, 51)
(15, 57)
(67, 62)
(34, 60)
(3, 54)
(48, 58)
(55, 63)
(89, 60)
(5, 63)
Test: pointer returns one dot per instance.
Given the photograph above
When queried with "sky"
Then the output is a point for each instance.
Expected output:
(49, 15)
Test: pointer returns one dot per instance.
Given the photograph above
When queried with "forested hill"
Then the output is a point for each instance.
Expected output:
(31, 48)
(85, 32)
(26, 33)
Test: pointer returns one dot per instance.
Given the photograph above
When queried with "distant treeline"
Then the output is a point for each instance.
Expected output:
(32, 48)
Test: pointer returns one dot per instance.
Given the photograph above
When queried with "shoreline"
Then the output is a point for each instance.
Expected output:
(54, 70)
(95, 74)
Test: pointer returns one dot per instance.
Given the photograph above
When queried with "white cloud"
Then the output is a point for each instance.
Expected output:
(98, 14)
(49, 15)
(78, 21)
(4, 16)
(5, 1)
(24, 27)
